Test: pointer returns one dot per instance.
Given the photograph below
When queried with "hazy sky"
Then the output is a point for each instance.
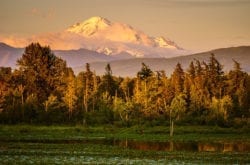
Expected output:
(192, 24)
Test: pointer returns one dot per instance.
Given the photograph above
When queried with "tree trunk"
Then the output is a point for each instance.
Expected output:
(171, 127)
(171, 146)
(145, 94)
(170, 123)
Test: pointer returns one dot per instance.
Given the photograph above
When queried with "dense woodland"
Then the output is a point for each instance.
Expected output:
(43, 90)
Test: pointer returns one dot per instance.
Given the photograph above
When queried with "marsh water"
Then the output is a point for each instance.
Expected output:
(113, 151)
(190, 146)
(185, 146)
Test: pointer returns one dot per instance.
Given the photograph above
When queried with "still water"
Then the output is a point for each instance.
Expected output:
(190, 146)
(185, 146)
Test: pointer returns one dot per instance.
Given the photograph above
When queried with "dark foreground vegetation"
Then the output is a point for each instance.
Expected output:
(43, 90)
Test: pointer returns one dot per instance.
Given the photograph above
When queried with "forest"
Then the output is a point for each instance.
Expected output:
(44, 90)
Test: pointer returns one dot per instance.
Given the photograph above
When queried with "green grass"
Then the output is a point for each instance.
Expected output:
(159, 133)
(25, 144)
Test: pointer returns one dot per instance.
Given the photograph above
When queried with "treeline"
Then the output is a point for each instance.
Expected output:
(43, 90)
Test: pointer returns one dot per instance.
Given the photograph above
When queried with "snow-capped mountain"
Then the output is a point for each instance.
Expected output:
(101, 28)
(106, 37)
(112, 38)
(166, 43)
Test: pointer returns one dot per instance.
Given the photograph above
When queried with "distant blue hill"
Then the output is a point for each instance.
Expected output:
(130, 66)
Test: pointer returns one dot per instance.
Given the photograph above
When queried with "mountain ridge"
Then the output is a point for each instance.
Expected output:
(129, 67)
(126, 65)
(74, 57)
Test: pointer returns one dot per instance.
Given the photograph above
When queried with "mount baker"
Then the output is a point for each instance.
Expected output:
(99, 41)
(106, 37)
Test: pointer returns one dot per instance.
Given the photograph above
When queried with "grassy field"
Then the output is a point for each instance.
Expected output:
(158, 133)
(26, 144)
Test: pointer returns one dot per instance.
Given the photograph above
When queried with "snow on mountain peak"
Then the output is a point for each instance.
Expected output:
(166, 43)
(112, 38)
(103, 36)
(90, 26)
(101, 28)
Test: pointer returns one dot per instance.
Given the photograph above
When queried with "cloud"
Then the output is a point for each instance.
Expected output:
(197, 3)
(34, 11)
(15, 41)
(49, 14)
(60, 41)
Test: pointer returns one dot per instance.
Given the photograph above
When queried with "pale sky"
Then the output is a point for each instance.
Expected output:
(192, 24)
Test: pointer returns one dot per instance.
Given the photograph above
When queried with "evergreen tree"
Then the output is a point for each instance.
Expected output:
(143, 77)
(89, 86)
(177, 79)
(199, 95)
(215, 79)
(108, 85)
(127, 86)
(145, 72)
(5, 77)
(237, 88)
(192, 70)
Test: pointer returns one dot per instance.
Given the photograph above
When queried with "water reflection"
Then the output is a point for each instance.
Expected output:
(151, 145)
(185, 146)
(224, 147)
